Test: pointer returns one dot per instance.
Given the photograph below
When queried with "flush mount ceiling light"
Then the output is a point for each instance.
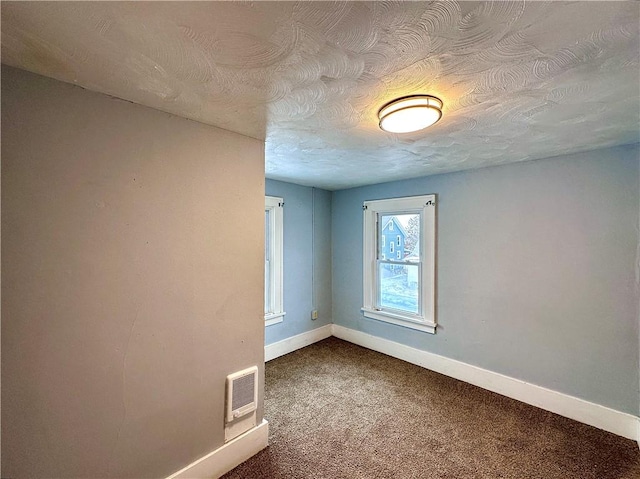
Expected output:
(410, 113)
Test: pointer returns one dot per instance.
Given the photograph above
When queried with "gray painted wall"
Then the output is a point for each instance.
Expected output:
(536, 276)
(307, 259)
(123, 310)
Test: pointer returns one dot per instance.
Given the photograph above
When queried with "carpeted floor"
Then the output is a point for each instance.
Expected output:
(337, 410)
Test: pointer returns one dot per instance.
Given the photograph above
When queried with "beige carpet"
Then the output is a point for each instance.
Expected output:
(337, 410)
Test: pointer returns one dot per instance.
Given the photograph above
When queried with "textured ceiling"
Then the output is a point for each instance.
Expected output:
(519, 81)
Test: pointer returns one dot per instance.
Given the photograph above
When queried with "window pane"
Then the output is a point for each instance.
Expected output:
(399, 233)
(273, 255)
(267, 234)
(398, 286)
(267, 286)
(267, 262)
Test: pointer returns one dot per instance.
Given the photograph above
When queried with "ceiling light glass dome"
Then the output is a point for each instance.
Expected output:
(410, 113)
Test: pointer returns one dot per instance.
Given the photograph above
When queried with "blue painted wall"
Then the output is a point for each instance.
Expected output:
(307, 259)
(536, 271)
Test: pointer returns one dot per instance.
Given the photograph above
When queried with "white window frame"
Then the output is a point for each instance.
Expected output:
(425, 205)
(276, 313)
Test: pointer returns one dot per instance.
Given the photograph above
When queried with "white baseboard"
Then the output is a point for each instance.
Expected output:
(622, 424)
(225, 458)
(289, 345)
(602, 417)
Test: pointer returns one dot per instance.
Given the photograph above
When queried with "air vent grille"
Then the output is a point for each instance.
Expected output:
(242, 393)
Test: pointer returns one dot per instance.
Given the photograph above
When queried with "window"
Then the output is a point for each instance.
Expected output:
(391, 247)
(398, 240)
(401, 289)
(383, 238)
(273, 260)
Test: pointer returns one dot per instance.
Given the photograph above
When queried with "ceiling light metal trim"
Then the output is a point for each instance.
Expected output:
(392, 114)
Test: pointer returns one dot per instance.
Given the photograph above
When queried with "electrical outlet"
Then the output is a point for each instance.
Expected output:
(314, 314)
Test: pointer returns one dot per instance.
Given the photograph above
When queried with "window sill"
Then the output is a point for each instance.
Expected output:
(273, 318)
(424, 326)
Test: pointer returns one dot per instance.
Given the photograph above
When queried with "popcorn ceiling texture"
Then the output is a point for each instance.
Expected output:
(519, 81)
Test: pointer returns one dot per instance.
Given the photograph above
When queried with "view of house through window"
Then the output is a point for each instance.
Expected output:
(399, 261)
(398, 274)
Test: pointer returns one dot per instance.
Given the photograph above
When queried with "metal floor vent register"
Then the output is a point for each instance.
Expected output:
(242, 402)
